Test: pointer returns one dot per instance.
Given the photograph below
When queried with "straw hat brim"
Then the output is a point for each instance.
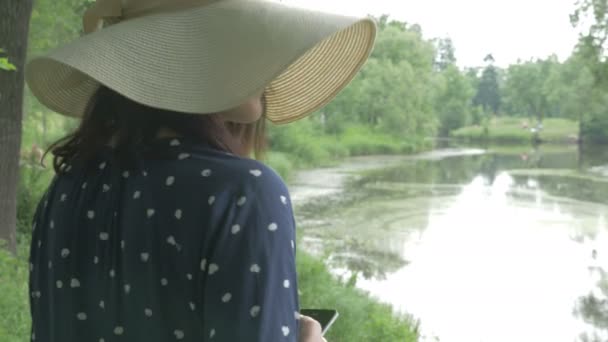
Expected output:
(211, 58)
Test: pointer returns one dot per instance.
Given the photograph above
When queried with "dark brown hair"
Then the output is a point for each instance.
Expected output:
(112, 117)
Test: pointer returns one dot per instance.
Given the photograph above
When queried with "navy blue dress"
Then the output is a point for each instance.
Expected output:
(192, 245)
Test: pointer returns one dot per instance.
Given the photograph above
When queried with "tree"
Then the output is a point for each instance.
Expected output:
(398, 42)
(488, 92)
(527, 88)
(53, 23)
(592, 44)
(591, 51)
(453, 102)
(446, 54)
(393, 92)
(572, 92)
(14, 28)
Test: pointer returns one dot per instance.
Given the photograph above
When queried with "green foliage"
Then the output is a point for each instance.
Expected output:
(446, 54)
(360, 140)
(372, 115)
(305, 143)
(518, 130)
(361, 318)
(55, 22)
(593, 17)
(281, 163)
(528, 88)
(595, 128)
(393, 92)
(590, 56)
(397, 42)
(453, 100)
(5, 64)
(488, 92)
(15, 320)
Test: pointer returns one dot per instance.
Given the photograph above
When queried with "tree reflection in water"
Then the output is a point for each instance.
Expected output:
(593, 308)
(370, 228)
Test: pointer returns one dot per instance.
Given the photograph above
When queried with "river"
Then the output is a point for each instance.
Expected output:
(476, 244)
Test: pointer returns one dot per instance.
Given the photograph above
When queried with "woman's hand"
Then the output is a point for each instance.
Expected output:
(310, 330)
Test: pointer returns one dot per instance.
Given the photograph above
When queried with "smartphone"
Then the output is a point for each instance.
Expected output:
(324, 316)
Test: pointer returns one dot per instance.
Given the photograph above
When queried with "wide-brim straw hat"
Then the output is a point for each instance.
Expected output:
(205, 56)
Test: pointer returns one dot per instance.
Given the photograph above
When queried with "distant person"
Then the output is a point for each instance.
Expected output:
(158, 226)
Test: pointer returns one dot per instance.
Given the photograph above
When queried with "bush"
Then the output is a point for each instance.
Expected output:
(361, 140)
(281, 163)
(595, 130)
(301, 141)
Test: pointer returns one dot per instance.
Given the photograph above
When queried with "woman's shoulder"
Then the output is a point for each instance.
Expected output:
(239, 171)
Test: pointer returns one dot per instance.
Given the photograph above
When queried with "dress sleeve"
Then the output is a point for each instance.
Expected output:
(250, 293)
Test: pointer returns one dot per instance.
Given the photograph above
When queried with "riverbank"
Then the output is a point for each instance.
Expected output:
(302, 146)
(403, 227)
(520, 130)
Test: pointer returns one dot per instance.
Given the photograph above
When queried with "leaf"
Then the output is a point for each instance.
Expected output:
(6, 65)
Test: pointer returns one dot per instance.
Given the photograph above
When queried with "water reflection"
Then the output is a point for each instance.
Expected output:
(497, 246)
(593, 307)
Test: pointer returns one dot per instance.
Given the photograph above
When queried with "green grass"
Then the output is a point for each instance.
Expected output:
(14, 302)
(509, 130)
(300, 146)
(361, 318)
(360, 140)
(519, 149)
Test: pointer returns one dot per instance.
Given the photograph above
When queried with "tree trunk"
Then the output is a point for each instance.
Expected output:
(580, 127)
(14, 28)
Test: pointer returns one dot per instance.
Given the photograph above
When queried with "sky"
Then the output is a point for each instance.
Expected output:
(509, 29)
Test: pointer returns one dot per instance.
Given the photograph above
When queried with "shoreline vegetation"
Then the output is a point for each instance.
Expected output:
(510, 130)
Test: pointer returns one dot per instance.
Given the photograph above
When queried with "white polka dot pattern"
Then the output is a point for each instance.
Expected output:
(149, 236)
(254, 311)
(226, 297)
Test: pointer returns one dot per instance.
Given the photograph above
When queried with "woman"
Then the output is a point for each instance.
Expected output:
(158, 226)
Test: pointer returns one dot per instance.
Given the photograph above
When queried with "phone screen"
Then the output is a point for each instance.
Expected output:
(324, 316)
